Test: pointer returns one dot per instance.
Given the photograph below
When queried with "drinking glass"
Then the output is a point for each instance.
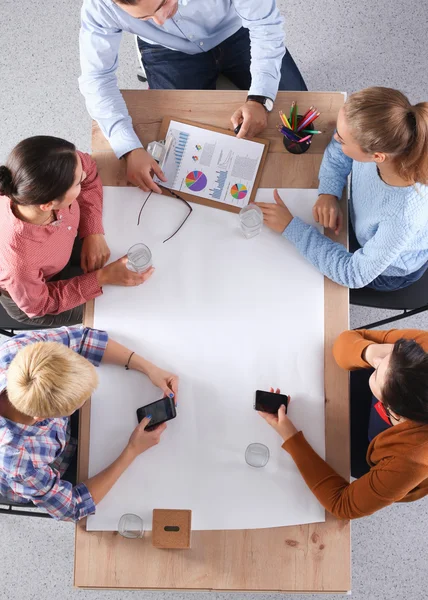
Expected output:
(139, 258)
(251, 219)
(131, 526)
(257, 455)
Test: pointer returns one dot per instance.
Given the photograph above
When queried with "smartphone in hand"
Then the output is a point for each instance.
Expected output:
(161, 411)
(269, 402)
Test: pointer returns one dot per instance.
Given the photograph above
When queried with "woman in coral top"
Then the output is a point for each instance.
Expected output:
(389, 425)
(52, 247)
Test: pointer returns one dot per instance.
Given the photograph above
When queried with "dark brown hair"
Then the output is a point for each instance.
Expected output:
(383, 120)
(406, 384)
(38, 170)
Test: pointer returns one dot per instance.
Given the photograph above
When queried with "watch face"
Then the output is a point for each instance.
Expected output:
(268, 104)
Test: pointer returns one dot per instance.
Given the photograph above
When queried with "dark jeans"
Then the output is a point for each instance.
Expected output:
(386, 283)
(168, 69)
(361, 403)
(68, 317)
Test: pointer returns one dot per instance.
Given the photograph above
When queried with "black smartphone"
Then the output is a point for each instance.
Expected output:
(269, 402)
(161, 411)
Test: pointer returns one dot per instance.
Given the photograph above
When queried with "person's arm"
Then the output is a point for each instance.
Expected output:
(90, 199)
(334, 171)
(95, 252)
(100, 38)
(266, 29)
(353, 270)
(387, 482)
(116, 354)
(38, 297)
(44, 487)
(349, 348)
(140, 441)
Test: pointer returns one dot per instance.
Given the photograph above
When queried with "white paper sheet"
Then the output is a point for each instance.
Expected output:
(229, 316)
(210, 164)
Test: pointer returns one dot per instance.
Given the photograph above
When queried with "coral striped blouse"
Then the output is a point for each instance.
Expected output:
(30, 255)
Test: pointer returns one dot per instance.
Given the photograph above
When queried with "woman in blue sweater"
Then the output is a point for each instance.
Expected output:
(383, 141)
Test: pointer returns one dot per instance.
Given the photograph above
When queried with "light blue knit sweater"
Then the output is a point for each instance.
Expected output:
(391, 224)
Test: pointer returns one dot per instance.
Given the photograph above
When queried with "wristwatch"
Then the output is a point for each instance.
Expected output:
(263, 100)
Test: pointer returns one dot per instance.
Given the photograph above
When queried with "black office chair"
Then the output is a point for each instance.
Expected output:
(16, 508)
(9, 326)
(411, 300)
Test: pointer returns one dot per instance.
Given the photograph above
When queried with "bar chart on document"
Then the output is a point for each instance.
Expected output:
(210, 164)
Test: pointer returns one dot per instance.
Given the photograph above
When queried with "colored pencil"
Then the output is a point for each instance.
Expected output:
(308, 121)
(284, 119)
(310, 109)
(305, 139)
(289, 134)
(311, 131)
(291, 119)
(296, 117)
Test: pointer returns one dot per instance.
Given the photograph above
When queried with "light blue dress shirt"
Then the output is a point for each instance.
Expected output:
(198, 26)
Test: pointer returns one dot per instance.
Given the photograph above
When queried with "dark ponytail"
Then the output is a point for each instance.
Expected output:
(39, 169)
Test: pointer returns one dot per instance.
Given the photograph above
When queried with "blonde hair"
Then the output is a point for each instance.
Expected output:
(383, 120)
(48, 379)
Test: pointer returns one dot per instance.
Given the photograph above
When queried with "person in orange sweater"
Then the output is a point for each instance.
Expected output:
(389, 425)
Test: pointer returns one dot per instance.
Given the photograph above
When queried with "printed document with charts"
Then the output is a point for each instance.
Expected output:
(211, 165)
(229, 316)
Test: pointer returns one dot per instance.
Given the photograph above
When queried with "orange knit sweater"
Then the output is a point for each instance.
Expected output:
(398, 457)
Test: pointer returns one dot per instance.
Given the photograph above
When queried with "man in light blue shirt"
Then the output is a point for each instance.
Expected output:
(185, 44)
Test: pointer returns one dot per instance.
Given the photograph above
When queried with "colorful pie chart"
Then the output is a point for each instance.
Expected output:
(196, 181)
(238, 191)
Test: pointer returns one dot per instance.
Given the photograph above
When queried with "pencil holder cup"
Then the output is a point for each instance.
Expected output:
(297, 147)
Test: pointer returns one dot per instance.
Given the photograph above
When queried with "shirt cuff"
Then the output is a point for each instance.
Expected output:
(124, 141)
(90, 286)
(93, 345)
(264, 86)
(84, 503)
(331, 186)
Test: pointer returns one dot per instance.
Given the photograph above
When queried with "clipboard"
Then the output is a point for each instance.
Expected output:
(213, 203)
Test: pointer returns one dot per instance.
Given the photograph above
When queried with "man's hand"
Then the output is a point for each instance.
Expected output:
(167, 382)
(141, 440)
(374, 353)
(95, 253)
(281, 423)
(117, 273)
(327, 212)
(276, 216)
(253, 117)
(140, 167)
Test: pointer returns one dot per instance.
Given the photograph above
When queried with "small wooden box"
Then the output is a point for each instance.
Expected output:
(171, 528)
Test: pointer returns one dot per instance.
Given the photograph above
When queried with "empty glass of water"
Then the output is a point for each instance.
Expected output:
(131, 526)
(251, 218)
(139, 258)
(257, 455)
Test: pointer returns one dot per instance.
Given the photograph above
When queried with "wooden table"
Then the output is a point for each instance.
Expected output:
(306, 558)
